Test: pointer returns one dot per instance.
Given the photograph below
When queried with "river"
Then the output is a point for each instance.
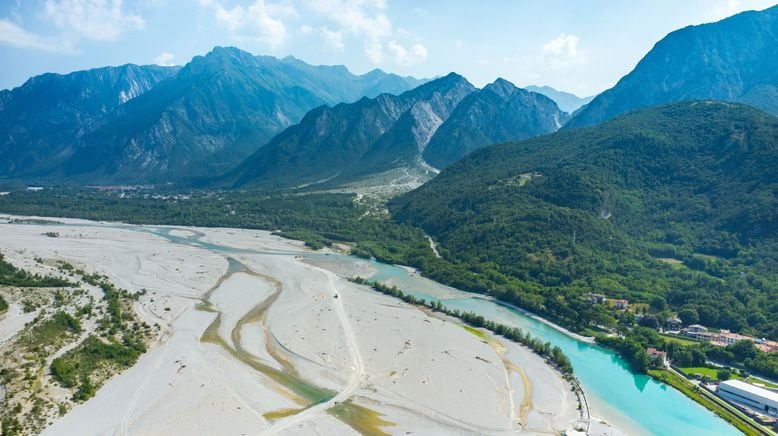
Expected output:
(634, 403)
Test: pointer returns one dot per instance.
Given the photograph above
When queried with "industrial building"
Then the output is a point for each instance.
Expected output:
(758, 399)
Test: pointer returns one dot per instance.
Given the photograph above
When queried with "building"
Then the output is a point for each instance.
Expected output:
(596, 298)
(654, 353)
(755, 398)
(766, 346)
(673, 323)
(622, 304)
(725, 337)
(696, 328)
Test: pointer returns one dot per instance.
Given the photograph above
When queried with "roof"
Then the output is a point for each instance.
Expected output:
(751, 389)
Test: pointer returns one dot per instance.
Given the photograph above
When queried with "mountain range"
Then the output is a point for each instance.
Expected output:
(200, 120)
(41, 120)
(499, 112)
(735, 59)
(566, 101)
(440, 121)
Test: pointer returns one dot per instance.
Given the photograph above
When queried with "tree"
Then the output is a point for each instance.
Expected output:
(649, 321)
(708, 315)
(658, 303)
(689, 315)
(742, 350)
(640, 360)
(724, 374)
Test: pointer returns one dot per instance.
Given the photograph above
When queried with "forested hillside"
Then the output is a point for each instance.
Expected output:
(677, 201)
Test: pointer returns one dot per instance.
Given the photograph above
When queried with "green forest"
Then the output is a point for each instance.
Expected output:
(679, 202)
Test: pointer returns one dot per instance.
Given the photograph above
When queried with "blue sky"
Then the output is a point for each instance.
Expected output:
(573, 45)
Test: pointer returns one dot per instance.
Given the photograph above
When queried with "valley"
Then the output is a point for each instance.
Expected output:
(538, 218)
(267, 343)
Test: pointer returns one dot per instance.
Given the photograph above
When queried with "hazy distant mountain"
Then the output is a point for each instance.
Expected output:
(500, 112)
(349, 140)
(566, 101)
(735, 59)
(43, 118)
(214, 113)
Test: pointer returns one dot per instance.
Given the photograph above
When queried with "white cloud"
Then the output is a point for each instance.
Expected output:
(165, 59)
(375, 51)
(358, 17)
(405, 57)
(726, 8)
(261, 21)
(99, 20)
(563, 45)
(332, 38)
(13, 35)
(562, 51)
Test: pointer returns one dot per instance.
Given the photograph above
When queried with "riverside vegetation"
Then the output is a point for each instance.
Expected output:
(104, 336)
(544, 349)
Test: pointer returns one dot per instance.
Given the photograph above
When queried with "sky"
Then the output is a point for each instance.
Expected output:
(578, 46)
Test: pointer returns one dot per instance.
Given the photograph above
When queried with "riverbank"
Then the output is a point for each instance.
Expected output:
(711, 402)
(385, 362)
(557, 327)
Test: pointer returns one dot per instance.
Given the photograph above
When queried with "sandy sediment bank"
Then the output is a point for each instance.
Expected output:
(388, 365)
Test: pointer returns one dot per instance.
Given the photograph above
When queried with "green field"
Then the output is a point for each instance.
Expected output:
(682, 341)
(711, 373)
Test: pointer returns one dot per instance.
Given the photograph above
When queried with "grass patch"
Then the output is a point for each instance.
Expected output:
(711, 373)
(481, 335)
(682, 341)
(53, 330)
(281, 413)
(756, 381)
(363, 420)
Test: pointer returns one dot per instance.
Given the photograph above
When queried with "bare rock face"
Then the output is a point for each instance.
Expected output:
(735, 59)
(41, 120)
(167, 124)
(349, 141)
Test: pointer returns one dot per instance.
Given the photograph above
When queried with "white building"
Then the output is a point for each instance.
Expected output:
(754, 397)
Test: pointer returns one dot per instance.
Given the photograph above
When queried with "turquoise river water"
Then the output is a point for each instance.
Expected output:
(634, 403)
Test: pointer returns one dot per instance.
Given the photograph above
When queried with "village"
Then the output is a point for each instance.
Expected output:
(752, 395)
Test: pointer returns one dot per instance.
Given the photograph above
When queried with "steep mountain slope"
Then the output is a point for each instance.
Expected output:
(500, 112)
(43, 118)
(566, 101)
(543, 221)
(204, 119)
(213, 114)
(735, 59)
(349, 140)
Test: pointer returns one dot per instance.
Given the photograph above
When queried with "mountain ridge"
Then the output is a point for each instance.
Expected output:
(201, 120)
(735, 59)
(566, 101)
